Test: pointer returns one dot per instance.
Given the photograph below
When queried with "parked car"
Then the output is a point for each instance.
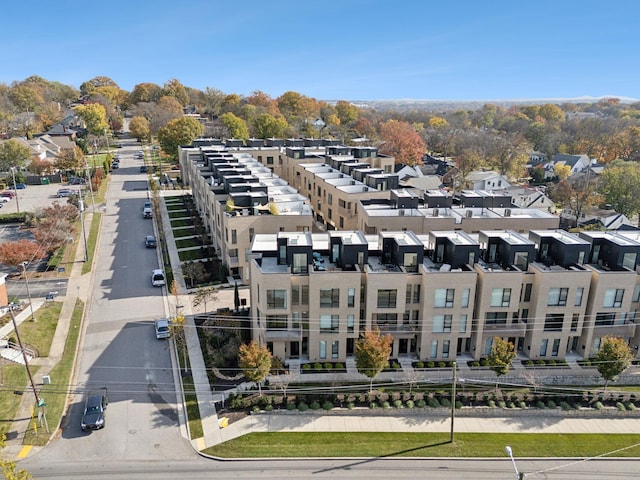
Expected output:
(150, 241)
(95, 404)
(65, 192)
(76, 181)
(18, 186)
(4, 199)
(157, 278)
(143, 169)
(115, 165)
(147, 212)
(162, 328)
(8, 193)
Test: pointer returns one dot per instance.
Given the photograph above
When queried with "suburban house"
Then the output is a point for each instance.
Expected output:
(578, 163)
(486, 180)
(525, 197)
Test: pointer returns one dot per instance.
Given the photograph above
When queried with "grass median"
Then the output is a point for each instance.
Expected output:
(372, 444)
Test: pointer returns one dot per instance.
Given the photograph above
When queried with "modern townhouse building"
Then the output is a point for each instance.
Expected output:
(444, 294)
(238, 198)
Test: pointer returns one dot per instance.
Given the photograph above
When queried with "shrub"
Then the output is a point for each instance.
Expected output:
(540, 404)
(445, 402)
(411, 404)
(317, 366)
(433, 403)
(522, 405)
(328, 366)
(291, 406)
(511, 405)
(255, 409)
(339, 366)
(565, 406)
(552, 363)
(327, 405)
(315, 405)
(529, 363)
(268, 408)
(430, 364)
(475, 363)
(306, 366)
(620, 406)
(540, 362)
(484, 362)
(303, 407)
(458, 404)
(551, 404)
(586, 363)
(419, 364)
(420, 403)
(373, 405)
(351, 405)
(386, 405)
(598, 405)
(630, 406)
(397, 403)
(395, 365)
(491, 403)
(502, 404)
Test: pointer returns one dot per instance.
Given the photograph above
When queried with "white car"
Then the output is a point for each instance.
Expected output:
(4, 199)
(162, 328)
(157, 278)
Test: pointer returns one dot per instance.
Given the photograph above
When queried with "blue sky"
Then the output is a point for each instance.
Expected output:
(333, 49)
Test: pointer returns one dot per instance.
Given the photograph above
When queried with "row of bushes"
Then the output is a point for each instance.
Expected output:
(431, 364)
(306, 367)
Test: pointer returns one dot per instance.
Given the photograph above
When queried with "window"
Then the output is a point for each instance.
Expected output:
(574, 322)
(434, 349)
(304, 298)
(445, 348)
(605, 319)
(500, 297)
(553, 322)
(463, 323)
(330, 199)
(350, 323)
(636, 294)
(443, 297)
(496, 318)
(300, 263)
(465, 298)
(329, 214)
(555, 348)
(407, 298)
(234, 237)
(233, 252)
(295, 319)
(252, 232)
(441, 323)
(527, 292)
(269, 160)
(329, 323)
(579, 294)
(525, 315)
(335, 348)
(613, 297)
(276, 322)
(351, 297)
(295, 295)
(276, 299)
(487, 345)
(323, 349)
(557, 297)
(543, 347)
(342, 203)
(416, 294)
(329, 297)
(410, 262)
(629, 260)
(341, 222)
(387, 298)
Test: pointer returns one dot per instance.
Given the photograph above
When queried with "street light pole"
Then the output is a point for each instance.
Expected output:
(519, 475)
(453, 400)
(26, 282)
(15, 189)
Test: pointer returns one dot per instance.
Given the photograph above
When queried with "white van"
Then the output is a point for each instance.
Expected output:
(157, 278)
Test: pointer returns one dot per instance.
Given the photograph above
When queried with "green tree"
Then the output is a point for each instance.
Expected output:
(13, 154)
(620, 184)
(70, 159)
(173, 88)
(179, 131)
(268, 126)
(145, 92)
(140, 128)
(236, 297)
(613, 357)
(500, 357)
(347, 112)
(236, 126)
(94, 116)
(372, 353)
(255, 361)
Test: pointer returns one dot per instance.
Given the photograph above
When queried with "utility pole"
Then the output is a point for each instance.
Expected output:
(84, 234)
(15, 189)
(26, 282)
(453, 400)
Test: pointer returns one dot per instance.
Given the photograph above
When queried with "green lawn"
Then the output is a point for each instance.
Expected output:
(92, 239)
(184, 232)
(187, 255)
(188, 242)
(39, 334)
(14, 377)
(181, 222)
(367, 444)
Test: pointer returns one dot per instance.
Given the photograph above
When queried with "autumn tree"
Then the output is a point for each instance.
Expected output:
(173, 88)
(70, 159)
(620, 184)
(180, 131)
(139, 128)
(575, 197)
(509, 154)
(13, 154)
(40, 167)
(145, 92)
(613, 357)
(16, 252)
(194, 271)
(204, 295)
(255, 361)
(94, 116)
(268, 126)
(54, 225)
(372, 353)
(236, 126)
(346, 112)
(402, 142)
(500, 357)
(561, 171)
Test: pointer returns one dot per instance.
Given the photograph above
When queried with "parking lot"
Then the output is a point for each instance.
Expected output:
(34, 197)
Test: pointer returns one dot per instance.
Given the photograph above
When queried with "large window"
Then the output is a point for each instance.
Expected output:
(323, 349)
(553, 322)
(574, 322)
(434, 349)
(579, 294)
(543, 347)
(445, 348)
(527, 292)
(410, 262)
(350, 323)
(605, 319)
(351, 297)
(335, 348)
(496, 318)
(276, 298)
(444, 297)
(329, 297)
(304, 295)
(329, 323)
(636, 293)
(416, 294)
(465, 298)
(441, 323)
(555, 349)
(300, 263)
(557, 297)
(387, 298)
(295, 295)
(463, 323)
(613, 297)
(500, 297)
(276, 322)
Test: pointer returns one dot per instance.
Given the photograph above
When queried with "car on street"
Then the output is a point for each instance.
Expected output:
(157, 278)
(147, 212)
(95, 405)
(18, 186)
(162, 328)
(115, 165)
(143, 169)
(65, 192)
(150, 241)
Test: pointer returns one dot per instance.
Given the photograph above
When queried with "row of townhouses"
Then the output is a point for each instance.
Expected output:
(470, 270)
